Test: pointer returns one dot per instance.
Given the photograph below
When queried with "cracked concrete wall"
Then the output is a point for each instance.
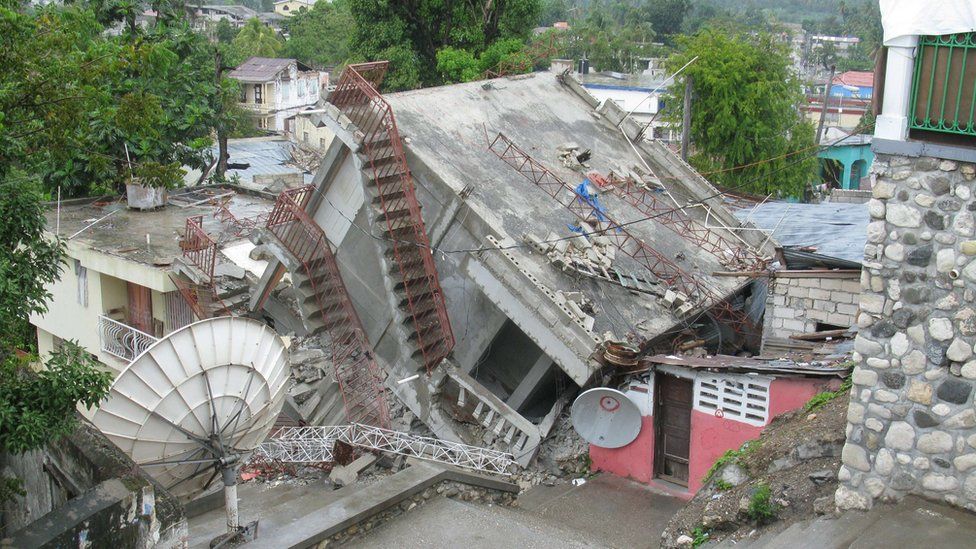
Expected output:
(911, 420)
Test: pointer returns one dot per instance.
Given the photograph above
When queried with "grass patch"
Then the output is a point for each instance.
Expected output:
(699, 536)
(762, 510)
(732, 456)
(820, 399)
(722, 485)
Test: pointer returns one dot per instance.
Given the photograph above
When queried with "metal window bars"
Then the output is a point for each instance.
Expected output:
(356, 371)
(314, 445)
(944, 88)
(121, 340)
(357, 96)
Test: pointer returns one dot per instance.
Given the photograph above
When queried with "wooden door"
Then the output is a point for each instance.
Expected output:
(672, 426)
(140, 308)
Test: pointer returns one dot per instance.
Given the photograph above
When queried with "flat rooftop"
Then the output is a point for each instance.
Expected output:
(446, 128)
(123, 232)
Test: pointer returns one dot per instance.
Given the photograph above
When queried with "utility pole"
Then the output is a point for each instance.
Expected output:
(686, 120)
(221, 167)
(826, 99)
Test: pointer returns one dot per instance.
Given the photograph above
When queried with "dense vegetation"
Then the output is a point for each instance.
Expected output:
(747, 133)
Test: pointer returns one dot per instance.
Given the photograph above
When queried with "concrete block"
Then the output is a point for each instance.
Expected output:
(831, 284)
(838, 319)
(798, 292)
(816, 293)
(809, 282)
(794, 325)
(852, 286)
(821, 305)
(842, 297)
(345, 475)
(847, 309)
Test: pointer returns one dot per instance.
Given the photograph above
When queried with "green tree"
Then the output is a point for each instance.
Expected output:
(254, 40)
(745, 128)
(410, 33)
(666, 16)
(224, 32)
(320, 37)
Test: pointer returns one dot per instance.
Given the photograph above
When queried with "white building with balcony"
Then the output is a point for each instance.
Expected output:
(127, 277)
(277, 89)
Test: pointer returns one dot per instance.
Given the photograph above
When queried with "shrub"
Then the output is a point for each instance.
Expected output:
(820, 399)
(732, 456)
(722, 485)
(761, 507)
(699, 536)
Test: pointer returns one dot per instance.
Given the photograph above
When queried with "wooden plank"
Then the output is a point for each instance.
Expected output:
(819, 336)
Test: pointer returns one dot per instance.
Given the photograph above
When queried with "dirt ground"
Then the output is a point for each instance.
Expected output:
(797, 456)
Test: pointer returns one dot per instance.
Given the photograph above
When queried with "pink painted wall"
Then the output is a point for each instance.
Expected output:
(635, 461)
(710, 436)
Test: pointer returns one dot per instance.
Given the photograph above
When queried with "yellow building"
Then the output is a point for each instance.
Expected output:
(291, 7)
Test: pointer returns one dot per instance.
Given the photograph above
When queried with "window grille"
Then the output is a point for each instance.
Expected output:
(944, 87)
(741, 398)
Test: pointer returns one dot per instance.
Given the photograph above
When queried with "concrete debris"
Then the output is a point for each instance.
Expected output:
(346, 475)
(573, 157)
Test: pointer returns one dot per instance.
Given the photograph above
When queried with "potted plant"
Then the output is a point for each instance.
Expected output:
(150, 182)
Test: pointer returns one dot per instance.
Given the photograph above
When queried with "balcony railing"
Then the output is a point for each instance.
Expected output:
(944, 88)
(121, 340)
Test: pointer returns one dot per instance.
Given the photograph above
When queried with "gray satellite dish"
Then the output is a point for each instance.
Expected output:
(606, 418)
(193, 404)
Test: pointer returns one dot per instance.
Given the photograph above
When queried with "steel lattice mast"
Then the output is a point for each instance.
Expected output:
(697, 293)
(315, 444)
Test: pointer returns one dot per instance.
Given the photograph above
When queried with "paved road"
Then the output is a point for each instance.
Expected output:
(607, 511)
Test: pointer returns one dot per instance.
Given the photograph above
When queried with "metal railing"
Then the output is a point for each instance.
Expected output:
(944, 88)
(121, 340)
(356, 371)
(357, 96)
(314, 445)
(198, 247)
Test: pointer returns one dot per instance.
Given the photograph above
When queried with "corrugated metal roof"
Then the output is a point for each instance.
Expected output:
(835, 230)
(860, 79)
(260, 69)
(264, 155)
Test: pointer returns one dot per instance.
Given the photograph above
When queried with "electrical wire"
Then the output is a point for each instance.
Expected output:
(662, 213)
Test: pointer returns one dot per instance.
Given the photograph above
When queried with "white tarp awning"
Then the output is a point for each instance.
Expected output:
(926, 17)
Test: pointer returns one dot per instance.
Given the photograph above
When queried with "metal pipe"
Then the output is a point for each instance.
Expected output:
(230, 499)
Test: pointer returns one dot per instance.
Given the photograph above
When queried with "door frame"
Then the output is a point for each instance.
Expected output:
(657, 469)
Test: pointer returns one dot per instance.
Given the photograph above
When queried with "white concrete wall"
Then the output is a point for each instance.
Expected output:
(68, 319)
(342, 201)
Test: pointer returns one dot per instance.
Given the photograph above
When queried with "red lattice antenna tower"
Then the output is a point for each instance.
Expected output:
(728, 252)
(673, 276)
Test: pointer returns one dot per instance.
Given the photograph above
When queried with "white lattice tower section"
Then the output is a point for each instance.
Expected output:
(314, 444)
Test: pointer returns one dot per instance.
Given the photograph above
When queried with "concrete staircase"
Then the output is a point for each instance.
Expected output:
(504, 428)
(911, 523)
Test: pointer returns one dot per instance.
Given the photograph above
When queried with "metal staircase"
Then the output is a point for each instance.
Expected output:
(696, 293)
(327, 308)
(390, 199)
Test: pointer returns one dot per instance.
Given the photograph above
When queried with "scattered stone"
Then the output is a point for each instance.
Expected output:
(902, 215)
(924, 420)
(940, 328)
(901, 436)
(954, 391)
(936, 442)
(959, 351)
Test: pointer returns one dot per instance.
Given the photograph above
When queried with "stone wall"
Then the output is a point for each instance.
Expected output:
(911, 420)
(795, 305)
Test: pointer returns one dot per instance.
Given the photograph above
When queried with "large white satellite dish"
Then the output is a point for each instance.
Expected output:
(194, 403)
(606, 418)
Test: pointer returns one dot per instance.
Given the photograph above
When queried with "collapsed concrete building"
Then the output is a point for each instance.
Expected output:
(479, 249)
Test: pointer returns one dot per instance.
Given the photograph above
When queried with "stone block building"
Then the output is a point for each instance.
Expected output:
(911, 421)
